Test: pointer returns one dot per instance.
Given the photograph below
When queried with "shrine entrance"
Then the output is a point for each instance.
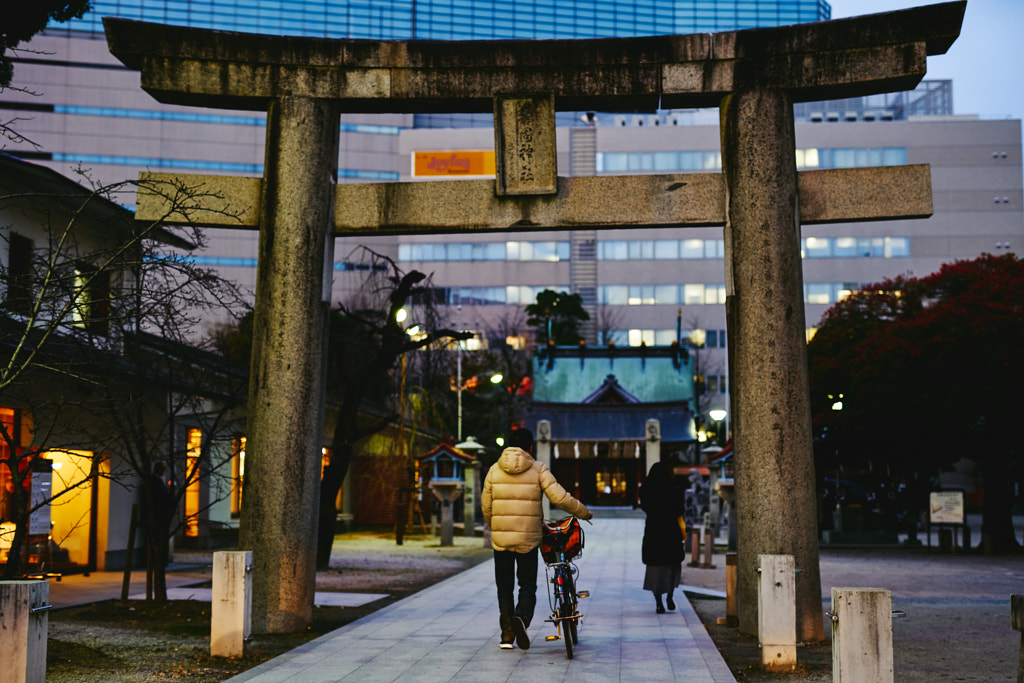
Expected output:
(753, 76)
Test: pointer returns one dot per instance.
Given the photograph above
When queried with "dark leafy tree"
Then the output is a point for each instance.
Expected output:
(19, 21)
(22, 20)
(491, 410)
(557, 317)
(927, 371)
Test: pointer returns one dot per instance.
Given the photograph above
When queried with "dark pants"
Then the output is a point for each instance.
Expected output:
(508, 568)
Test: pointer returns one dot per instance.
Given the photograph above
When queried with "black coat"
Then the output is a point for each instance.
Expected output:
(663, 502)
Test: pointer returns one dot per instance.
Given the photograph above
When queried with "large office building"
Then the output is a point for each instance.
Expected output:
(78, 107)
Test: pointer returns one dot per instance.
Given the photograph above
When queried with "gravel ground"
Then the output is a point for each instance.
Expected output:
(957, 626)
(141, 643)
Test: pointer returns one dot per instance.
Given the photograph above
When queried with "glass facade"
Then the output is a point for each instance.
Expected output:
(688, 160)
(459, 19)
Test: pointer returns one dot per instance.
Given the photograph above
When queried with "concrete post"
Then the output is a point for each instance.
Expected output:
(653, 431)
(731, 613)
(775, 494)
(542, 453)
(24, 622)
(286, 395)
(776, 612)
(709, 547)
(1017, 624)
(469, 500)
(861, 635)
(231, 611)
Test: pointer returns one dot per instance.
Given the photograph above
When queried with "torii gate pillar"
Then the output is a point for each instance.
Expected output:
(768, 354)
(285, 423)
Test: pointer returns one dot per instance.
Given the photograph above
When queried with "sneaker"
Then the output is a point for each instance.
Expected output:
(522, 638)
(505, 644)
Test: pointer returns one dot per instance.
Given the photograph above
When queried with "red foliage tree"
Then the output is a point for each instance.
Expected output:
(927, 371)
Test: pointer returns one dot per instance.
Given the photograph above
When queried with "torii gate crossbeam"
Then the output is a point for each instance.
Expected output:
(754, 76)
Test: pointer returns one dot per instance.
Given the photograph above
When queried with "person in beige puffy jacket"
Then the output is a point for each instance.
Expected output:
(511, 504)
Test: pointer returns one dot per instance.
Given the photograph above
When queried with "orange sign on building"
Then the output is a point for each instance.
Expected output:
(453, 164)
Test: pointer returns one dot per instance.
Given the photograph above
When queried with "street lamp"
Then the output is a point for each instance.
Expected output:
(458, 380)
(718, 414)
(495, 379)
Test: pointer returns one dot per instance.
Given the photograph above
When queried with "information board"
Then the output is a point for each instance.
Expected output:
(946, 507)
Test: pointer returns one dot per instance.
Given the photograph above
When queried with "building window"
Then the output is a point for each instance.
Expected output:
(551, 252)
(237, 474)
(622, 250)
(91, 311)
(19, 274)
(851, 247)
(688, 160)
(193, 452)
(638, 337)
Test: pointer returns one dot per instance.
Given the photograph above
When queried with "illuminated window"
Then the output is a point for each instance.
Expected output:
(693, 294)
(638, 337)
(818, 293)
(817, 247)
(237, 474)
(194, 449)
(91, 311)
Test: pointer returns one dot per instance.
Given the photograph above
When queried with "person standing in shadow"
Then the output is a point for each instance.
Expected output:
(664, 534)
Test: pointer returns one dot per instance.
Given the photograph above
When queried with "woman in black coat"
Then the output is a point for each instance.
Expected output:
(663, 549)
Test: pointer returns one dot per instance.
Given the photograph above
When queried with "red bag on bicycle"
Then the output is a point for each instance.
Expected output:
(555, 536)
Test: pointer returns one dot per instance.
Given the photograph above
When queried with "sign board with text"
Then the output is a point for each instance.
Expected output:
(453, 164)
(946, 507)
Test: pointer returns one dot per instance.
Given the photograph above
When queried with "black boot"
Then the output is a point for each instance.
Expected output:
(670, 602)
(657, 600)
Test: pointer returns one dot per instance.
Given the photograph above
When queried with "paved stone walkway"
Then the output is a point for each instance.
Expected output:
(449, 632)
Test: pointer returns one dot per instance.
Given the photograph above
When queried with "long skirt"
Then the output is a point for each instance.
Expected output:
(662, 578)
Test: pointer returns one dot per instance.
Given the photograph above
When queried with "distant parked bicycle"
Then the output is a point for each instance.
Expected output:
(561, 543)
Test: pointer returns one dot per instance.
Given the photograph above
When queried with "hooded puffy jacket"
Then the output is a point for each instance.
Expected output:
(511, 500)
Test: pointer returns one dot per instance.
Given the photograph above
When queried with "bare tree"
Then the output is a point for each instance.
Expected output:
(607, 321)
(366, 344)
(704, 364)
(101, 351)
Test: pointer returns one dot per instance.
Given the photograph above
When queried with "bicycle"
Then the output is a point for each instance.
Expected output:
(561, 543)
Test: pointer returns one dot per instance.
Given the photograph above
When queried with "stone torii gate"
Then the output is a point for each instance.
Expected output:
(754, 76)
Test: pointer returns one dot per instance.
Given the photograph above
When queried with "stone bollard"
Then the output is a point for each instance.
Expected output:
(231, 613)
(24, 620)
(861, 635)
(1017, 624)
(709, 549)
(732, 613)
(776, 611)
(694, 546)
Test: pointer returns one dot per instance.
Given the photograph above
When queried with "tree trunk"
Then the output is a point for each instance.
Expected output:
(334, 476)
(12, 569)
(997, 534)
